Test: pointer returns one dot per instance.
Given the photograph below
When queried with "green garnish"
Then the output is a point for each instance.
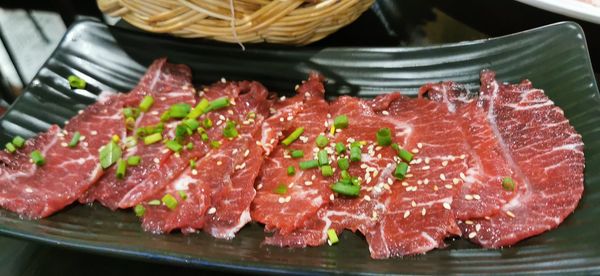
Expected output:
(153, 138)
(199, 109)
(305, 165)
(218, 104)
(204, 137)
(192, 163)
(322, 141)
(345, 174)
(215, 144)
(281, 189)
(340, 121)
(146, 103)
(327, 170)
(10, 147)
(293, 136)
(18, 141)
(207, 123)
(343, 163)
(402, 153)
(75, 139)
(173, 146)
(297, 154)
(131, 112)
(183, 195)
(109, 154)
(130, 142)
(508, 184)
(165, 116)
(76, 82)
(229, 130)
(192, 124)
(179, 110)
(121, 168)
(340, 148)
(154, 202)
(169, 201)
(291, 170)
(134, 160)
(355, 153)
(139, 210)
(130, 123)
(37, 158)
(147, 130)
(323, 158)
(384, 137)
(345, 189)
(401, 170)
(190, 146)
(332, 236)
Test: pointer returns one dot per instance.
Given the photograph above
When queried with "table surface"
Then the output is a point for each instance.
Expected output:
(428, 22)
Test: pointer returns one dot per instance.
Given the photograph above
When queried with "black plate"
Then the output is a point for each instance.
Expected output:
(554, 57)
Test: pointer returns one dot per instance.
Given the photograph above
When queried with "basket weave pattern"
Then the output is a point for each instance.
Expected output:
(277, 21)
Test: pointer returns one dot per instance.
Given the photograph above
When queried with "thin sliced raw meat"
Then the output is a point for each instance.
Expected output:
(545, 152)
(397, 217)
(220, 190)
(307, 190)
(168, 84)
(481, 194)
(39, 191)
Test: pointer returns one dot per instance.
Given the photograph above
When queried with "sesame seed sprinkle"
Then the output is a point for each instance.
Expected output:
(468, 222)
(420, 145)
(423, 212)
(447, 206)
(462, 176)
(212, 210)
(448, 186)
(477, 197)
(331, 197)
(477, 227)
(455, 181)
(63, 144)
(415, 151)
(413, 204)
(308, 183)
(468, 197)
(194, 172)
(426, 181)
(219, 163)
(246, 153)
(426, 167)
(156, 160)
(281, 200)
(510, 214)
(406, 214)
(93, 132)
(472, 235)
(367, 198)
(444, 163)
(385, 112)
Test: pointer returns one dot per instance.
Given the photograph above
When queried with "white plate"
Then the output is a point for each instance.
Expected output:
(588, 10)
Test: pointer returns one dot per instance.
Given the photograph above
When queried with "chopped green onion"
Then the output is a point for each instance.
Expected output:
(192, 163)
(322, 141)
(147, 130)
(297, 154)
(405, 155)
(207, 123)
(355, 154)
(291, 170)
(355, 181)
(345, 189)
(192, 124)
(384, 137)
(215, 144)
(130, 123)
(401, 170)
(37, 158)
(305, 165)
(179, 110)
(204, 137)
(109, 154)
(165, 116)
(75, 139)
(508, 184)
(323, 158)
(174, 146)
(343, 163)
(292, 137)
(340, 148)
(332, 236)
(139, 210)
(281, 189)
(169, 201)
(131, 112)
(251, 115)
(76, 82)
(151, 139)
(183, 195)
(327, 170)
(18, 141)
(181, 131)
(218, 104)
(154, 202)
(10, 147)
(130, 142)
(134, 160)
(199, 109)
(229, 130)
(121, 168)
(190, 146)
(345, 174)
(146, 103)
(341, 121)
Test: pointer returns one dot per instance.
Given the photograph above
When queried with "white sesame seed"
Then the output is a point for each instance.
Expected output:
(444, 163)
(510, 214)
(426, 167)
(85, 144)
(413, 204)
(442, 176)
(477, 227)
(419, 181)
(221, 117)
(367, 198)
(313, 177)
(427, 160)
(385, 112)
(281, 200)
(468, 197)
(472, 235)
(194, 172)
(415, 151)
(477, 197)
(93, 132)
(409, 175)
(223, 80)
(212, 210)
(448, 186)
(331, 197)
(462, 156)
(308, 183)
(289, 118)
(468, 222)
(406, 214)
(363, 166)
(446, 205)
(219, 163)
(287, 199)
(462, 176)
(259, 186)
(435, 187)
(420, 145)
(234, 151)
(281, 119)
(423, 212)
(246, 153)
(258, 143)
(230, 112)
(426, 181)
(163, 151)
(156, 160)
(455, 181)
(404, 183)
(390, 181)
(63, 144)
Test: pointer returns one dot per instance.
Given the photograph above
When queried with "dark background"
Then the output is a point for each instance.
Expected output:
(388, 23)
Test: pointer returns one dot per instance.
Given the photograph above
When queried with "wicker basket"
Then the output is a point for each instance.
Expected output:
(277, 21)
